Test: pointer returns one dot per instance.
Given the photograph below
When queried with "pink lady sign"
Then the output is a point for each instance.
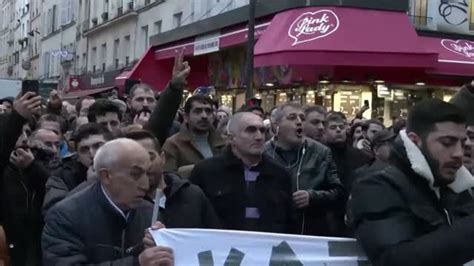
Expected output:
(460, 47)
(310, 26)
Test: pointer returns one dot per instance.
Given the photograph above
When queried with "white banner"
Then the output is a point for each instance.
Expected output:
(199, 247)
(207, 44)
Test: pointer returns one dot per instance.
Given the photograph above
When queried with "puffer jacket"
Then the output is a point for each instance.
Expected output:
(400, 218)
(85, 229)
(315, 172)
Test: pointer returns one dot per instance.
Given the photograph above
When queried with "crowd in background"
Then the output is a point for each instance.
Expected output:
(80, 183)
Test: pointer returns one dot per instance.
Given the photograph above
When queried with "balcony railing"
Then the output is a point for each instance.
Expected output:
(423, 22)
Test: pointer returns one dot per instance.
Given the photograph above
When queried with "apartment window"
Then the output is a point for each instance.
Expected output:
(145, 37)
(147, 2)
(177, 19)
(84, 60)
(103, 52)
(126, 49)
(116, 52)
(94, 58)
(157, 27)
(53, 18)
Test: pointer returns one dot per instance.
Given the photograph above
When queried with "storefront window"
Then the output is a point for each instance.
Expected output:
(282, 98)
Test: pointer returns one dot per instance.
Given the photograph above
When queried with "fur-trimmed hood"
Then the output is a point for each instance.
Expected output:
(463, 181)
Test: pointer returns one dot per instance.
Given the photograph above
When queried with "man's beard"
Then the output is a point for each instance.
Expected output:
(434, 166)
(137, 112)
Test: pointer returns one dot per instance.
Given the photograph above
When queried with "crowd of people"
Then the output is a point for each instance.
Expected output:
(84, 184)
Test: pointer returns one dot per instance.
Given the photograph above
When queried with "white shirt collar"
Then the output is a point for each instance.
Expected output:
(113, 204)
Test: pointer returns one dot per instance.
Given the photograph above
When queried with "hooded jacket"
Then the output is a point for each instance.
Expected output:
(401, 218)
(315, 172)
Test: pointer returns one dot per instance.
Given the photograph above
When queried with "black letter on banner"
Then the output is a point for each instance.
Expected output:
(283, 255)
(205, 258)
(234, 258)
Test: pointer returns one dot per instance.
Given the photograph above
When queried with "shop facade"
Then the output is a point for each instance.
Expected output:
(338, 57)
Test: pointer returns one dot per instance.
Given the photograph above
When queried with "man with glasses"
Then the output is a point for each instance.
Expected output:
(197, 139)
(247, 189)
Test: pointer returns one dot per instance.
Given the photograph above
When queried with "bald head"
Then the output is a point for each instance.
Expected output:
(122, 166)
(238, 120)
(113, 153)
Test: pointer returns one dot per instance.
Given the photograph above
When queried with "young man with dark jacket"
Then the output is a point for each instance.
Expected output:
(182, 205)
(73, 171)
(418, 210)
(247, 189)
(314, 182)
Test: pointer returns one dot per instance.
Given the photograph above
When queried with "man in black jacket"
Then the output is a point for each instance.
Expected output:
(103, 224)
(183, 205)
(23, 192)
(315, 185)
(73, 171)
(418, 210)
(247, 189)
(348, 159)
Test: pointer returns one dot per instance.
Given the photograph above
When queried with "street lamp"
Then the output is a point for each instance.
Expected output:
(250, 46)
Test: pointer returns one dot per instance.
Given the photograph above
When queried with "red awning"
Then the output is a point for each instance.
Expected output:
(455, 57)
(120, 79)
(340, 36)
(81, 93)
(227, 37)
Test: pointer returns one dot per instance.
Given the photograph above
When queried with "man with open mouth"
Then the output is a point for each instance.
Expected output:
(316, 186)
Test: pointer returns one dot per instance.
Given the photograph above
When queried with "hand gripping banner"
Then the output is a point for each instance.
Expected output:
(199, 247)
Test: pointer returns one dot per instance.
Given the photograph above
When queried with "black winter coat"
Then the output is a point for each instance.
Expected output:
(86, 229)
(69, 175)
(222, 180)
(22, 195)
(186, 205)
(399, 219)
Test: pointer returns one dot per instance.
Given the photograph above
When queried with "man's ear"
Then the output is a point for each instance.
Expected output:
(186, 117)
(415, 139)
(104, 176)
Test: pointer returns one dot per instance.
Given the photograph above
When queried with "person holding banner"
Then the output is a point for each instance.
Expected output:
(314, 181)
(247, 189)
(418, 210)
(105, 222)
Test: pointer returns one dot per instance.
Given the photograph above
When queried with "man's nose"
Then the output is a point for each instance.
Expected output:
(458, 151)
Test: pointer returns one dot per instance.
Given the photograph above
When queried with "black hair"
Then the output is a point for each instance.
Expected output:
(425, 114)
(101, 107)
(89, 129)
(204, 99)
(144, 134)
(399, 125)
(366, 124)
(63, 124)
(79, 103)
(335, 117)
(353, 128)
